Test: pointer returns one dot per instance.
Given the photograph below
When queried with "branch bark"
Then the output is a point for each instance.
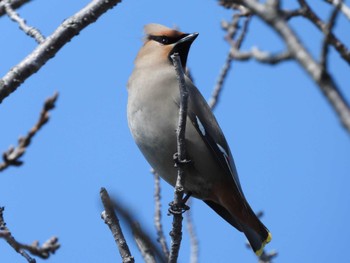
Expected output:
(14, 4)
(261, 56)
(145, 249)
(309, 14)
(139, 234)
(52, 44)
(343, 7)
(193, 238)
(12, 155)
(112, 221)
(177, 207)
(49, 247)
(158, 215)
(231, 29)
(30, 31)
(327, 36)
(276, 20)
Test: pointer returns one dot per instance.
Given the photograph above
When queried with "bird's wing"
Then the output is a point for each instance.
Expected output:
(208, 128)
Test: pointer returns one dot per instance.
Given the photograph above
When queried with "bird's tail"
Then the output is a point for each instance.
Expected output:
(255, 231)
(257, 238)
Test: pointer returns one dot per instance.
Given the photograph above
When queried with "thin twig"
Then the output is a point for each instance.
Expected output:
(231, 29)
(30, 31)
(49, 247)
(48, 49)
(261, 56)
(327, 33)
(12, 155)
(276, 20)
(145, 249)
(343, 7)
(193, 237)
(308, 13)
(177, 206)
(111, 219)
(15, 4)
(275, 4)
(267, 257)
(142, 236)
(158, 215)
(289, 14)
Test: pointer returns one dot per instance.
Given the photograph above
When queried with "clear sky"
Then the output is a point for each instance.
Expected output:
(292, 155)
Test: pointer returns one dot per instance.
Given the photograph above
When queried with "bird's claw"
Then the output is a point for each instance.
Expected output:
(178, 161)
(177, 209)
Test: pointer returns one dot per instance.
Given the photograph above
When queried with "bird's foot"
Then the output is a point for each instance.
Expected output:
(178, 162)
(178, 209)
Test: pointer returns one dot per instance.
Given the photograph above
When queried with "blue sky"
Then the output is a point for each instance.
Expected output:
(291, 153)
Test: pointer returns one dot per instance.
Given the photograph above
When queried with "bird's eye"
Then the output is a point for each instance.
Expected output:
(161, 39)
(165, 40)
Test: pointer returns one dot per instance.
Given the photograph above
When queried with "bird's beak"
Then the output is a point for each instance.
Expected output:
(187, 39)
(183, 46)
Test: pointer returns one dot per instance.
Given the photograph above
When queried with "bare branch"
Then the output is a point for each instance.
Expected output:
(48, 49)
(30, 31)
(289, 14)
(267, 257)
(275, 4)
(327, 33)
(193, 237)
(44, 251)
(158, 215)
(308, 13)
(343, 7)
(12, 155)
(145, 249)
(111, 219)
(138, 232)
(276, 20)
(177, 207)
(231, 29)
(261, 56)
(14, 4)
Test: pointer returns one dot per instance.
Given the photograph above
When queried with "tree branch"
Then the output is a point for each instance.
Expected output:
(327, 36)
(343, 7)
(276, 19)
(14, 4)
(193, 238)
(177, 207)
(261, 56)
(30, 31)
(44, 251)
(231, 29)
(12, 155)
(308, 13)
(145, 249)
(48, 49)
(112, 221)
(158, 215)
(139, 234)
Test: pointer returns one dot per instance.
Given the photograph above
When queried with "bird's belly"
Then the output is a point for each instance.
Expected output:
(155, 134)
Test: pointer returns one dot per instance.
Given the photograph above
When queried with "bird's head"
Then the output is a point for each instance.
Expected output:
(161, 42)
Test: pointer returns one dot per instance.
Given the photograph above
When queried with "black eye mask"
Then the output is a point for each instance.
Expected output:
(165, 40)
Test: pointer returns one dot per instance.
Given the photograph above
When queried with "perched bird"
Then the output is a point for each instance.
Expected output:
(153, 112)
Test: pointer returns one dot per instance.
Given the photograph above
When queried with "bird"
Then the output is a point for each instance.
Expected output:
(153, 112)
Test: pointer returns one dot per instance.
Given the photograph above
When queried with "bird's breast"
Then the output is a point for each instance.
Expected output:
(153, 114)
(152, 117)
